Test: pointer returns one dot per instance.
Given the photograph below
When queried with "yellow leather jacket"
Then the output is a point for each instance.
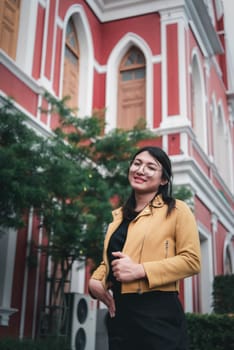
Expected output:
(167, 246)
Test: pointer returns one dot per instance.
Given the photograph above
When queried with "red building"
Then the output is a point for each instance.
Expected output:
(164, 60)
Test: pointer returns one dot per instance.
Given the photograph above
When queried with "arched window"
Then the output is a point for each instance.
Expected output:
(9, 25)
(71, 65)
(227, 262)
(198, 105)
(222, 145)
(131, 89)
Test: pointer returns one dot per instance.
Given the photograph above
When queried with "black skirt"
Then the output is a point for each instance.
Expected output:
(148, 321)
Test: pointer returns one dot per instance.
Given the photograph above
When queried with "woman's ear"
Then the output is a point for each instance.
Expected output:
(163, 182)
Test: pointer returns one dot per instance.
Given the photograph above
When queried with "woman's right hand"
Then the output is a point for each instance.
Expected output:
(97, 290)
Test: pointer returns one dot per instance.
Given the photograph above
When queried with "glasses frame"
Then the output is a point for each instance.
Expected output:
(146, 171)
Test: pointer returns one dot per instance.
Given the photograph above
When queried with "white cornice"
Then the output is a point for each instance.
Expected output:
(187, 172)
(203, 28)
(110, 10)
(200, 21)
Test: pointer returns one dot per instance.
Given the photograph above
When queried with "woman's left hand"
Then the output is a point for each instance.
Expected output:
(124, 269)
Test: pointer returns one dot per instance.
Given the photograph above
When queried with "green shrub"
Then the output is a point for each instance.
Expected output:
(210, 332)
(206, 332)
(223, 294)
(16, 344)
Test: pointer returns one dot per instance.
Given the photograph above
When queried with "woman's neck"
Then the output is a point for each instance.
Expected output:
(142, 200)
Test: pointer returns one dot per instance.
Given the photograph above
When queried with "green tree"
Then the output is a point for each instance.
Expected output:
(21, 158)
(70, 179)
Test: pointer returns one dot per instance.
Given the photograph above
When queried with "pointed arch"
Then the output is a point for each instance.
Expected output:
(199, 122)
(222, 145)
(131, 89)
(71, 65)
(86, 58)
(228, 255)
(113, 64)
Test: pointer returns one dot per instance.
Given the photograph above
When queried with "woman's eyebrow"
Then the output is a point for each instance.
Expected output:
(149, 163)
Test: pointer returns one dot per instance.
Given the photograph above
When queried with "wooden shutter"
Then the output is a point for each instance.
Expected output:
(9, 25)
(71, 66)
(131, 89)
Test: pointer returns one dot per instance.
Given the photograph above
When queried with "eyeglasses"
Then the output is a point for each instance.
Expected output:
(148, 169)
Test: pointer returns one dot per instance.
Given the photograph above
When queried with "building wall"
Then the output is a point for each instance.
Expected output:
(175, 54)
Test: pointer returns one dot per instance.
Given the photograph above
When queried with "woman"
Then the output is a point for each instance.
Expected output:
(151, 244)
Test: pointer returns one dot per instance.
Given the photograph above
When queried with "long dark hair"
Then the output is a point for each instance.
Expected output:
(165, 190)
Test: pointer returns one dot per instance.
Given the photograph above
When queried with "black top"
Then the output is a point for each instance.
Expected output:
(116, 244)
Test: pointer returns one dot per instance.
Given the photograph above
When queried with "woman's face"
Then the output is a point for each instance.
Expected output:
(145, 173)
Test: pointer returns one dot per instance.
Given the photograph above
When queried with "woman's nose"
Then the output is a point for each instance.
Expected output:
(141, 169)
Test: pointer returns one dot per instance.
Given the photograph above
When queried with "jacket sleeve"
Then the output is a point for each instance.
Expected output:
(186, 261)
(100, 273)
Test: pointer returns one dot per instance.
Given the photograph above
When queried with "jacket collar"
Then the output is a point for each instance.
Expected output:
(157, 203)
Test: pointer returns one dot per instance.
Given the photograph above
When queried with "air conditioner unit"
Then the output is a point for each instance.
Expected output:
(83, 311)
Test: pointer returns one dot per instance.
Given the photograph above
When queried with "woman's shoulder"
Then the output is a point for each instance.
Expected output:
(179, 203)
(182, 206)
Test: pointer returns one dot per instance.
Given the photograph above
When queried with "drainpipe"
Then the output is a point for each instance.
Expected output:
(214, 225)
(25, 283)
(40, 236)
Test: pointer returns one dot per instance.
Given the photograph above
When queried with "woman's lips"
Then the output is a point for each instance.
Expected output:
(139, 179)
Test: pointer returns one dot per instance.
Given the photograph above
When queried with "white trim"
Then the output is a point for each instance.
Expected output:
(164, 69)
(188, 294)
(54, 42)
(25, 278)
(7, 263)
(183, 106)
(100, 68)
(113, 63)
(86, 58)
(228, 244)
(223, 145)
(42, 3)
(214, 229)
(18, 73)
(174, 122)
(156, 59)
(195, 60)
(37, 281)
(111, 10)
(59, 22)
(26, 36)
(177, 16)
(206, 275)
(187, 172)
(5, 314)
(43, 79)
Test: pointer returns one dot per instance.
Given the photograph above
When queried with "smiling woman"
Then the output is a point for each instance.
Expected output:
(148, 168)
(151, 244)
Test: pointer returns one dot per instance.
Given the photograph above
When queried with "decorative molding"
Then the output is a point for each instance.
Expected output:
(203, 28)
(111, 81)
(5, 314)
(109, 10)
(187, 171)
(18, 73)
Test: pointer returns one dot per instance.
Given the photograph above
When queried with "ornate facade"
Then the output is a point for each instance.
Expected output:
(164, 60)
